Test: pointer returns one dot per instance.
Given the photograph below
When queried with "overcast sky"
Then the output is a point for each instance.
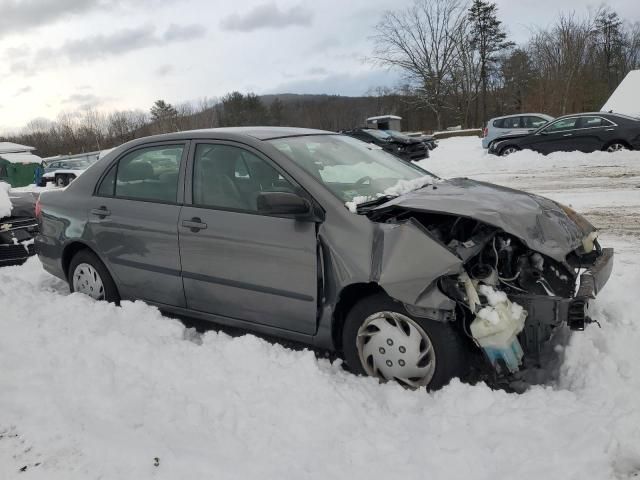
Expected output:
(64, 55)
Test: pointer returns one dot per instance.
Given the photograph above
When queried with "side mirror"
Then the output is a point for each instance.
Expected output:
(282, 203)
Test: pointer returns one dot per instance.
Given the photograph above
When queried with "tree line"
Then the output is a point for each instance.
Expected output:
(458, 64)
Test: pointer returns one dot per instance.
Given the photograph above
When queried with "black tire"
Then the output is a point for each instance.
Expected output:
(617, 145)
(61, 181)
(448, 345)
(87, 256)
(509, 149)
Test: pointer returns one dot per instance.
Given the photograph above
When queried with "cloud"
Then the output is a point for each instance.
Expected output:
(21, 15)
(164, 70)
(267, 15)
(85, 101)
(22, 91)
(356, 84)
(99, 47)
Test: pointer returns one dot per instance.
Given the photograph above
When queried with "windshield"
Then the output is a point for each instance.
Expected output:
(351, 169)
(396, 134)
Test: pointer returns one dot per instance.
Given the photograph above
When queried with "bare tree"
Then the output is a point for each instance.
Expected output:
(422, 41)
(561, 54)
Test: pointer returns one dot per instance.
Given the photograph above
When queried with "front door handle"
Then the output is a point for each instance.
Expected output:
(609, 129)
(195, 224)
(101, 212)
(568, 135)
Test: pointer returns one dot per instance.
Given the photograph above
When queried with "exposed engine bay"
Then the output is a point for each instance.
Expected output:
(510, 298)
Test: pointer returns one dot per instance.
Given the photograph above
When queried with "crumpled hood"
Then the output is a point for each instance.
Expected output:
(540, 223)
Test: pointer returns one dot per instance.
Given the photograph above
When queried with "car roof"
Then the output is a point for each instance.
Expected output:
(260, 133)
(521, 115)
(598, 114)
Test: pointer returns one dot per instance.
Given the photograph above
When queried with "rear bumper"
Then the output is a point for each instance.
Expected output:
(544, 314)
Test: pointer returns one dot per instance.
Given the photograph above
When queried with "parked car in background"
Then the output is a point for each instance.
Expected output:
(418, 145)
(63, 172)
(583, 132)
(513, 124)
(317, 237)
(18, 229)
(63, 169)
(399, 145)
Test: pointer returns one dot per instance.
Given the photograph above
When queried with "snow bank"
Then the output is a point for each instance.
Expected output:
(91, 390)
(5, 202)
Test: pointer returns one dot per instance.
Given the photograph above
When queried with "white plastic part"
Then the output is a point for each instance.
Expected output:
(496, 327)
(587, 242)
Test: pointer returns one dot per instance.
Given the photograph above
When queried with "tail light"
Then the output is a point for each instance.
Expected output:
(38, 208)
(485, 132)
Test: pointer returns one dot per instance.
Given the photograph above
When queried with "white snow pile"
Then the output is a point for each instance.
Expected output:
(5, 201)
(90, 390)
(400, 188)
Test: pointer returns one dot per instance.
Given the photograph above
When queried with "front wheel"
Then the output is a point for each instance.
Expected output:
(382, 340)
(88, 275)
(508, 151)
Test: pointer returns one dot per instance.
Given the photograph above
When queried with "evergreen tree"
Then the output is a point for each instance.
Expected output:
(488, 38)
(162, 110)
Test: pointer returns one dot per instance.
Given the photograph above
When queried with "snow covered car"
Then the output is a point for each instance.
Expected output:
(323, 239)
(18, 227)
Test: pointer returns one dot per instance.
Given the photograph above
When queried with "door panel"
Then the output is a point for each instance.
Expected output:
(251, 267)
(237, 262)
(133, 222)
(139, 241)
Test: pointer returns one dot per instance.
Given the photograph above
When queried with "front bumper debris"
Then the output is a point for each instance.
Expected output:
(544, 314)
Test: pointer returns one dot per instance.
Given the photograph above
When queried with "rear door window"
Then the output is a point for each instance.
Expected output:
(149, 174)
(533, 122)
(594, 122)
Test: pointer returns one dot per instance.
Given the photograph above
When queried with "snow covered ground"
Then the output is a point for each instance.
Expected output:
(89, 390)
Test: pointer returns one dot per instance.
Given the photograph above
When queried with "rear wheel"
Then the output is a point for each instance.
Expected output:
(382, 340)
(616, 146)
(88, 275)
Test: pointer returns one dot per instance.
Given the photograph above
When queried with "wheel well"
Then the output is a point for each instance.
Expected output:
(346, 300)
(69, 252)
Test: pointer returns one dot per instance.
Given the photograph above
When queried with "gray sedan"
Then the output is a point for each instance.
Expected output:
(326, 240)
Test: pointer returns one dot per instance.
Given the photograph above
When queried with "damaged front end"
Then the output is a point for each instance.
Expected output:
(514, 286)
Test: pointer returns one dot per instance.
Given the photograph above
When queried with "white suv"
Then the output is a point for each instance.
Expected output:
(518, 124)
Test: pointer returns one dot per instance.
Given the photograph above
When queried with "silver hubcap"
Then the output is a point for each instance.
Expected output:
(509, 151)
(87, 280)
(392, 346)
(615, 147)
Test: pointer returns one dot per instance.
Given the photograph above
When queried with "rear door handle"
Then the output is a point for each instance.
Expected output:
(609, 129)
(568, 135)
(101, 212)
(195, 224)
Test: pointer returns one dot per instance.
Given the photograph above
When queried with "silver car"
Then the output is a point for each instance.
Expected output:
(512, 124)
(329, 241)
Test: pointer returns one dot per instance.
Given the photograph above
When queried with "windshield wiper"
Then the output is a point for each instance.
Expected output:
(369, 204)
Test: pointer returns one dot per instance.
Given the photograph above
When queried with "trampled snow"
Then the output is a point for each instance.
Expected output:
(5, 201)
(89, 390)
